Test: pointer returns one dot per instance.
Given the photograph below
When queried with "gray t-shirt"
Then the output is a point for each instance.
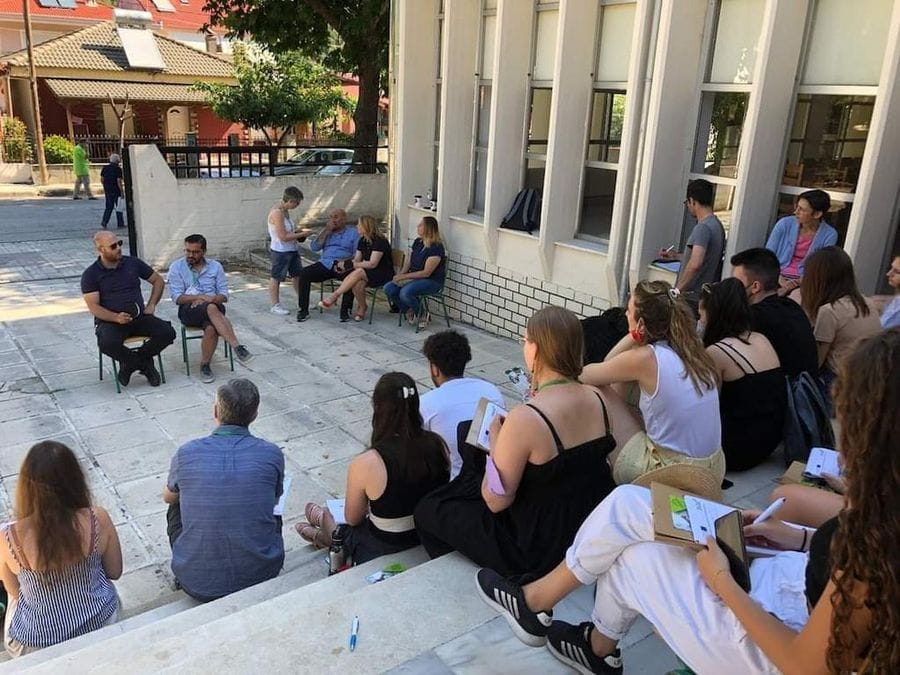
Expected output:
(709, 234)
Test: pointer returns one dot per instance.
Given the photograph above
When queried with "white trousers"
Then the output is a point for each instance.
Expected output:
(614, 548)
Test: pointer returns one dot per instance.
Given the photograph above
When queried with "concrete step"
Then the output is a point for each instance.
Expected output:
(118, 643)
(306, 630)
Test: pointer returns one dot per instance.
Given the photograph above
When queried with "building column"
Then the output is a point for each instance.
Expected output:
(569, 119)
(462, 19)
(414, 110)
(761, 162)
(875, 211)
(669, 132)
(509, 113)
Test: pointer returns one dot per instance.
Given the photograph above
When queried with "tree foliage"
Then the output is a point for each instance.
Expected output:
(277, 92)
(347, 36)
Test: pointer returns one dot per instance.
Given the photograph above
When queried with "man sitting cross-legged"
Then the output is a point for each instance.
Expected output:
(112, 292)
(222, 491)
(198, 286)
(337, 244)
(455, 397)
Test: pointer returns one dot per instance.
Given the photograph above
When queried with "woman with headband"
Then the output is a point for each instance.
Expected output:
(403, 463)
(677, 381)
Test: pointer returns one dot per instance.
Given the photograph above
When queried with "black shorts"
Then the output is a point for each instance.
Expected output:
(196, 317)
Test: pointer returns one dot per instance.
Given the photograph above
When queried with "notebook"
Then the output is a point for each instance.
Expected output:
(823, 461)
(481, 423)
(336, 506)
(286, 487)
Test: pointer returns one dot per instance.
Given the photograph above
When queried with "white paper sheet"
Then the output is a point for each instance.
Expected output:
(491, 411)
(286, 487)
(703, 515)
(823, 460)
(336, 506)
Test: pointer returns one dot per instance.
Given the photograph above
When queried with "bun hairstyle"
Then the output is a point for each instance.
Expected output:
(667, 317)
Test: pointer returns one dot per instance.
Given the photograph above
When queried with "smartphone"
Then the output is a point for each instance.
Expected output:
(730, 538)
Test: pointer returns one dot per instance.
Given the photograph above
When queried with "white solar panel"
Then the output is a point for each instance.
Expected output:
(163, 5)
(140, 49)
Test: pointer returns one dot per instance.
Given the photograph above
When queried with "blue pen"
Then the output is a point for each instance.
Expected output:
(354, 633)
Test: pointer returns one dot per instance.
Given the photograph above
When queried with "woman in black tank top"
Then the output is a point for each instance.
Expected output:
(386, 482)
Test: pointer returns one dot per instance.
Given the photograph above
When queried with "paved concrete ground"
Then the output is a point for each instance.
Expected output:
(315, 380)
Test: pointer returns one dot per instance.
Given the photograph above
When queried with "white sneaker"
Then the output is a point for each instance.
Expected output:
(279, 309)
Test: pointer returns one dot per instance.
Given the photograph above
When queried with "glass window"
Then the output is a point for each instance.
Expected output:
(719, 133)
(437, 111)
(479, 158)
(484, 116)
(597, 202)
(828, 138)
(614, 54)
(607, 118)
(723, 202)
(838, 215)
(847, 42)
(479, 181)
(488, 45)
(534, 174)
(539, 120)
(545, 45)
(738, 26)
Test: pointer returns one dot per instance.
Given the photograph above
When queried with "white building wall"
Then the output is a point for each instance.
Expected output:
(499, 277)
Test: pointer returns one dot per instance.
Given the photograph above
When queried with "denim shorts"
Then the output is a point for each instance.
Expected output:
(285, 264)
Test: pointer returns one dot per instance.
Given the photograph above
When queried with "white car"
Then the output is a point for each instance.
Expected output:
(313, 159)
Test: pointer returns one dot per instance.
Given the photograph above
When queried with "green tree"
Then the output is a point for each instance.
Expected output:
(275, 93)
(347, 36)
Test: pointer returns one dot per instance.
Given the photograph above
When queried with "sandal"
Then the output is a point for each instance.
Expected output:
(424, 321)
(411, 318)
(360, 316)
(304, 530)
(314, 513)
(325, 303)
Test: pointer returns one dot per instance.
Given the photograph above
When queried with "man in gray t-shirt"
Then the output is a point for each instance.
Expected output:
(706, 244)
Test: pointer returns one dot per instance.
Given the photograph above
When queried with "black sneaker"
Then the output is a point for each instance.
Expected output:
(345, 317)
(508, 599)
(152, 374)
(124, 374)
(243, 353)
(394, 309)
(572, 645)
(302, 316)
(206, 373)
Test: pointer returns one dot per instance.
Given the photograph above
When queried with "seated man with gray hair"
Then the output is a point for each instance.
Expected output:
(222, 491)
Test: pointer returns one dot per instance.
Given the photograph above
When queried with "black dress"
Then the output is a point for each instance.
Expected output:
(384, 271)
(530, 537)
(752, 409)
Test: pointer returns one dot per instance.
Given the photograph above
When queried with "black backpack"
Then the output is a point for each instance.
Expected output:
(807, 423)
(525, 213)
(601, 333)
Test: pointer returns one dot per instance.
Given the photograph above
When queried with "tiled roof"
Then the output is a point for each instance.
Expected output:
(101, 90)
(188, 14)
(97, 48)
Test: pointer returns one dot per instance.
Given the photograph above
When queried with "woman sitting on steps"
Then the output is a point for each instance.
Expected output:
(386, 482)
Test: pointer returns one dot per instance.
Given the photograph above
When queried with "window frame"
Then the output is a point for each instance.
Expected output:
(478, 151)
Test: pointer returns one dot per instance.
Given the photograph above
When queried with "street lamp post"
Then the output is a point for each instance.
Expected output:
(35, 102)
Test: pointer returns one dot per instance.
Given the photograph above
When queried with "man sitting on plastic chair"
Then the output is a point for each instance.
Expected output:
(198, 286)
(112, 292)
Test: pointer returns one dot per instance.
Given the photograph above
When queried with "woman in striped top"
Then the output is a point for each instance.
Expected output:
(59, 556)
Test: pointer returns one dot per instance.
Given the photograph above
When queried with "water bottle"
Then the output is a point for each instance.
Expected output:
(336, 557)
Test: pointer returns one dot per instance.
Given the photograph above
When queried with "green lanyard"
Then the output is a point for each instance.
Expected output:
(551, 383)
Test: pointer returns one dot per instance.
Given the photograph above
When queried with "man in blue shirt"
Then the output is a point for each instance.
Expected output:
(111, 287)
(337, 242)
(222, 492)
(198, 286)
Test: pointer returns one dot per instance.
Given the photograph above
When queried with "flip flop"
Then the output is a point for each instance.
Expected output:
(304, 529)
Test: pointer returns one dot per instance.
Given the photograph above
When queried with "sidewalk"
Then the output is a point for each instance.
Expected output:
(26, 191)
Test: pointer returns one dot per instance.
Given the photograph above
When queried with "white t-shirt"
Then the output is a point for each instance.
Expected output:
(454, 402)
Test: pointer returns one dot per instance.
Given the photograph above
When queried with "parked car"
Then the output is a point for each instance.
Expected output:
(341, 169)
(313, 159)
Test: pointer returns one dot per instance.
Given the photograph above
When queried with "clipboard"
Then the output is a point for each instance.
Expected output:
(485, 413)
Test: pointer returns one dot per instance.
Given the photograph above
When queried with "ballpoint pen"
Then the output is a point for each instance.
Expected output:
(354, 633)
(770, 511)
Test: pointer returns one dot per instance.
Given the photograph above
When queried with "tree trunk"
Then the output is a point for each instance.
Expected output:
(365, 117)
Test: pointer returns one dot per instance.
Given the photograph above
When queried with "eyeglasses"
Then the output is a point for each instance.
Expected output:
(116, 244)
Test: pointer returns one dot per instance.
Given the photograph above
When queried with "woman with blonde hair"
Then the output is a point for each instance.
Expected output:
(372, 267)
(677, 381)
(423, 271)
(517, 508)
(60, 556)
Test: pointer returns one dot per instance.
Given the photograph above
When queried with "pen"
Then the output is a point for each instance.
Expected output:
(770, 511)
(670, 249)
(354, 633)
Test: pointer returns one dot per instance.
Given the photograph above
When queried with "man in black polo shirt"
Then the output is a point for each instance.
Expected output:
(112, 292)
(780, 319)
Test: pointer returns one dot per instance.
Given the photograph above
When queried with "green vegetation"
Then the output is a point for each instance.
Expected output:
(58, 150)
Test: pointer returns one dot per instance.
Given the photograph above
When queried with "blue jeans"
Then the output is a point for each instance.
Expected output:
(406, 297)
(111, 199)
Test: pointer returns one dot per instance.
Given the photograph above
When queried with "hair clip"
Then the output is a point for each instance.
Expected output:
(406, 392)
(674, 294)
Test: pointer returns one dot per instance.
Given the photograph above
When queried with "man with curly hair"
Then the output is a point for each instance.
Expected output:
(455, 397)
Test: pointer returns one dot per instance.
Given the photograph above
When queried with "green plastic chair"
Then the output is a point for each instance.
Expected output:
(197, 334)
(134, 339)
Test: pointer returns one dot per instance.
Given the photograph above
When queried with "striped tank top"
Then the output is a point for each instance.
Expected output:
(58, 605)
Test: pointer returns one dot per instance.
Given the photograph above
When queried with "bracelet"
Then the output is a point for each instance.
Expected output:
(802, 548)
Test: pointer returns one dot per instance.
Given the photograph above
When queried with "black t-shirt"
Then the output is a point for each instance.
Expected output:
(109, 176)
(385, 266)
(119, 287)
(818, 569)
(787, 327)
